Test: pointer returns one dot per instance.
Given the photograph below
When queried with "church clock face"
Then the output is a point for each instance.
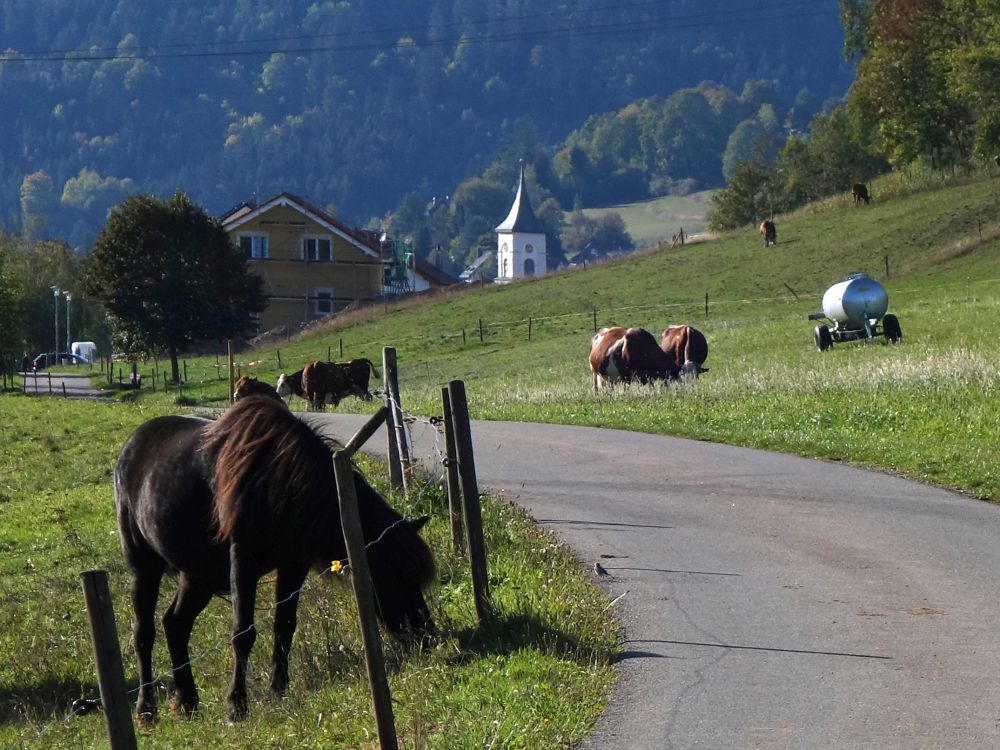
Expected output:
(529, 248)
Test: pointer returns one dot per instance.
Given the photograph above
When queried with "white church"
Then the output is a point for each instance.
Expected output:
(521, 251)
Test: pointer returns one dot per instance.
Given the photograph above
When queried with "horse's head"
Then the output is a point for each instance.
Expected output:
(401, 565)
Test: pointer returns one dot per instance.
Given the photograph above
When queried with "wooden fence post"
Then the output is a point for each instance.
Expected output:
(229, 359)
(529, 328)
(470, 500)
(350, 519)
(397, 446)
(595, 320)
(480, 330)
(108, 655)
(706, 304)
(451, 467)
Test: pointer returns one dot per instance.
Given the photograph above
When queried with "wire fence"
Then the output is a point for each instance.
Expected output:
(433, 474)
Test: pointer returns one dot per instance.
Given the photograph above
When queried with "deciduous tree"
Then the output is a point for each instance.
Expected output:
(168, 277)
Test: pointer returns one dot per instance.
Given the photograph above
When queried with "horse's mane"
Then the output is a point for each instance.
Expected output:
(260, 447)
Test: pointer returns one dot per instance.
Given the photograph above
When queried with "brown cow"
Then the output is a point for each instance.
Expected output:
(330, 382)
(860, 192)
(687, 346)
(620, 354)
(769, 232)
(248, 385)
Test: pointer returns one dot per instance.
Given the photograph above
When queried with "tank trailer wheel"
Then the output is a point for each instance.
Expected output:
(822, 337)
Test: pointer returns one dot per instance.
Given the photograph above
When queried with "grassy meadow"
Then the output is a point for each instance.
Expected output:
(926, 408)
(537, 676)
(654, 221)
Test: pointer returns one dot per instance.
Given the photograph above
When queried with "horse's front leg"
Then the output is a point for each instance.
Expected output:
(243, 582)
(285, 617)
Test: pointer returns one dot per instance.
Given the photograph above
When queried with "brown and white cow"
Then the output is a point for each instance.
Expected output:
(860, 193)
(290, 385)
(687, 346)
(627, 354)
(331, 382)
(769, 232)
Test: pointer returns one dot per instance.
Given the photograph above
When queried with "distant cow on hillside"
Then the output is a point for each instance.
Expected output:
(687, 346)
(860, 193)
(620, 354)
(331, 382)
(769, 232)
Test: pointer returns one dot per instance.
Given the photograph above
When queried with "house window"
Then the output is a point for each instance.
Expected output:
(324, 300)
(254, 245)
(317, 248)
(529, 267)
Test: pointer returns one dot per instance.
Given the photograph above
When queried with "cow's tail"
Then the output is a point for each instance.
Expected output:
(372, 366)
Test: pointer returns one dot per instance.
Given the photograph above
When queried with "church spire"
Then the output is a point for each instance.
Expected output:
(521, 217)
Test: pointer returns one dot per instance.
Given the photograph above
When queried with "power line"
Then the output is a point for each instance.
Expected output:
(781, 11)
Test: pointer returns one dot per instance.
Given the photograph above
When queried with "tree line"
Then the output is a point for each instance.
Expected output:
(925, 98)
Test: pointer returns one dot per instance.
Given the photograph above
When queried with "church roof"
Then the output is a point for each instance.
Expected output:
(521, 217)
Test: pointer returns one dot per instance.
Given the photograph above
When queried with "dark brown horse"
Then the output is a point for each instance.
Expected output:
(222, 503)
(248, 385)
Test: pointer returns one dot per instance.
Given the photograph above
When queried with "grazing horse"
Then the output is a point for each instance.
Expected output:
(769, 232)
(223, 503)
(859, 191)
(248, 385)
(688, 346)
(627, 354)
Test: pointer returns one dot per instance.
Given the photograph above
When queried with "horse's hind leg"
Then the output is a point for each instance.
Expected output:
(287, 600)
(144, 589)
(191, 598)
(243, 586)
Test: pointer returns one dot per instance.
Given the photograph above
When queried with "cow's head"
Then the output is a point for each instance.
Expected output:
(284, 388)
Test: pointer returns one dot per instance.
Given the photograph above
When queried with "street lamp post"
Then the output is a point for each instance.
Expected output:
(56, 291)
(68, 297)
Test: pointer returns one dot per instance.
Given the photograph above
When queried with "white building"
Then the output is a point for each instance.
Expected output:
(521, 251)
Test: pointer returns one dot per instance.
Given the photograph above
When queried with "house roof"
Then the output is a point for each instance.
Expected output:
(365, 240)
(433, 274)
(521, 217)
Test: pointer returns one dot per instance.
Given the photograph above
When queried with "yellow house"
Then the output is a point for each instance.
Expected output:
(312, 264)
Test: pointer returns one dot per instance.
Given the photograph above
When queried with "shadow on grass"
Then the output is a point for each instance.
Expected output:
(42, 701)
(506, 633)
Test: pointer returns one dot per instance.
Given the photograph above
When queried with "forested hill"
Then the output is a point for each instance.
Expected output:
(352, 103)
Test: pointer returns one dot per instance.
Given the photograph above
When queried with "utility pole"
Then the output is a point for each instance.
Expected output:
(68, 297)
(55, 345)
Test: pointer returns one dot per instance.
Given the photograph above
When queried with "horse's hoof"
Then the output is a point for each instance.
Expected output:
(237, 713)
(185, 706)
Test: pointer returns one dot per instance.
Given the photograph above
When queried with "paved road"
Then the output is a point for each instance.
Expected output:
(69, 385)
(769, 601)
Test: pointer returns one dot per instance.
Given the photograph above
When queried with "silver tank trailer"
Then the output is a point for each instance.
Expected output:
(857, 308)
(855, 300)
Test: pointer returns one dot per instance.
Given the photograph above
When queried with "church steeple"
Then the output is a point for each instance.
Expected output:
(521, 217)
(521, 251)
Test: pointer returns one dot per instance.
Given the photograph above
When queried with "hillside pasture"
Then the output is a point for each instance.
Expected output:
(926, 408)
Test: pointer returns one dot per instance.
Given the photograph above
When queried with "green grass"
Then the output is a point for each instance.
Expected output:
(926, 408)
(654, 221)
(535, 677)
